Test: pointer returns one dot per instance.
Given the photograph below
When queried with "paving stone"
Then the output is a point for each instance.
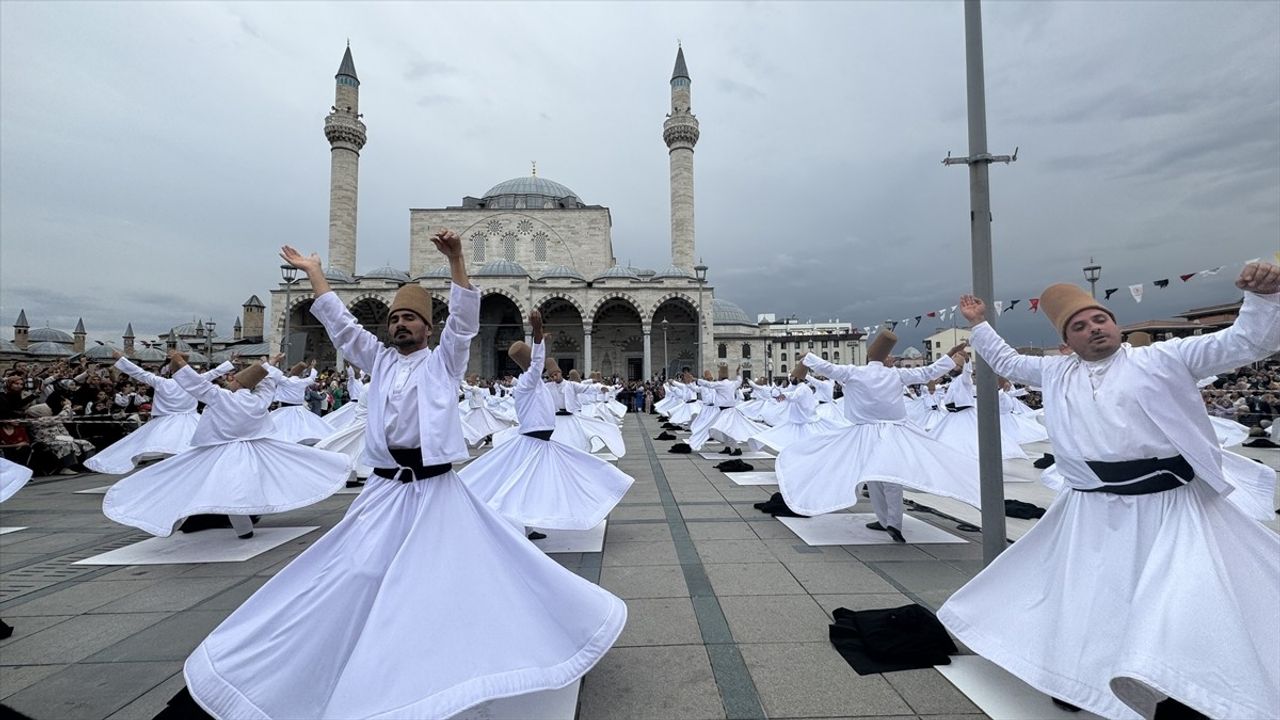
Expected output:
(660, 621)
(75, 639)
(644, 581)
(839, 577)
(153, 701)
(53, 542)
(771, 529)
(28, 626)
(89, 691)
(651, 683)
(733, 551)
(922, 577)
(638, 512)
(894, 552)
(775, 618)
(233, 597)
(720, 531)
(638, 532)
(145, 572)
(77, 598)
(14, 679)
(705, 512)
(868, 601)
(752, 579)
(951, 551)
(796, 551)
(640, 553)
(171, 595)
(812, 680)
(171, 639)
(928, 692)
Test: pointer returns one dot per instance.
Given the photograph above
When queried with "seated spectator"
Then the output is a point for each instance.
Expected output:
(15, 444)
(52, 439)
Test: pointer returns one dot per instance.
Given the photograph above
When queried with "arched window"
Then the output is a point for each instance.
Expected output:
(722, 352)
(509, 246)
(746, 350)
(835, 357)
(477, 247)
(784, 359)
(824, 356)
(540, 247)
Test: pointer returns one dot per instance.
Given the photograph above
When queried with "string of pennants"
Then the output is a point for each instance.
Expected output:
(1033, 304)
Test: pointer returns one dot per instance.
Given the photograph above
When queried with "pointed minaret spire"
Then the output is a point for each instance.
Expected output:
(128, 339)
(681, 71)
(22, 319)
(680, 132)
(346, 135)
(128, 331)
(348, 66)
(20, 330)
(79, 335)
(80, 325)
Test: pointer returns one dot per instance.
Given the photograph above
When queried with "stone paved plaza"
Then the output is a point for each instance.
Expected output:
(728, 609)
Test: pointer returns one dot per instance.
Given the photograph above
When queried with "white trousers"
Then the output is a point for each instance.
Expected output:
(241, 524)
(886, 501)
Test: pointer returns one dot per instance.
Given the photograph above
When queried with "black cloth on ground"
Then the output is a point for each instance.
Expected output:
(680, 449)
(891, 639)
(777, 507)
(1023, 510)
(730, 466)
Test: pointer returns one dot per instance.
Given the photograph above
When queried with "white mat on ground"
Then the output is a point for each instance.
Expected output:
(206, 546)
(566, 541)
(607, 456)
(350, 491)
(559, 704)
(1001, 695)
(94, 491)
(744, 456)
(7, 530)
(851, 529)
(753, 478)
(1015, 528)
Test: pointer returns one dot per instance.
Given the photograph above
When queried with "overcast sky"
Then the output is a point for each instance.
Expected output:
(154, 155)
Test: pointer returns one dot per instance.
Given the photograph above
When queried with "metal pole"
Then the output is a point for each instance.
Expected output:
(698, 373)
(666, 364)
(990, 461)
(284, 342)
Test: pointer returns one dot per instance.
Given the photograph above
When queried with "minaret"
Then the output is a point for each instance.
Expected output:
(680, 132)
(237, 332)
(253, 317)
(346, 136)
(128, 340)
(79, 335)
(20, 330)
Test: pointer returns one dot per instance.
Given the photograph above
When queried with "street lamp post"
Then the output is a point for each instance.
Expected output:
(287, 273)
(701, 271)
(1091, 273)
(208, 343)
(666, 364)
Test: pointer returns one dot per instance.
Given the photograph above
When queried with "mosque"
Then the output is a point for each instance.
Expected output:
(534, 243)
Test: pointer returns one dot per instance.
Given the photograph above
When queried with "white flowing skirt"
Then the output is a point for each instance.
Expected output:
(245, 477)
(684, 413)
(1111, 602)
(297, 424)
(753, 409)
(581, 433)
(420, 603)
(664, 406)
(781, 437)
(699, 431)
(158, 437)
(831, 411)
(960, 431)
(1023, 429)
(479, 423)
(12, 477)
(615, 408)
(732, 427)
(822, 474)
(349, 441)
(1229, 432)
(545, 484)
(343, 416)
(774, 413)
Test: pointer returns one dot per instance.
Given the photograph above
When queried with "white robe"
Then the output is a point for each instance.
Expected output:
(802, 423)
(422, 601)
(12, 477)
(293, 420)
(1113, 602)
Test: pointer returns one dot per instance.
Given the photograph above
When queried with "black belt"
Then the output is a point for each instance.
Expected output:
(691, 401)
(539, 434)
(285, 404)
(951, 407)
(563, 412)
(410, 460)
(1141, 477)
(727, 407)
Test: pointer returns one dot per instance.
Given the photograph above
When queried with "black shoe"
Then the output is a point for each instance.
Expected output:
(246, 536)
(197, 523)
(1043, 462)
(1064, 705)
(896, 534)
(6, 630)
(726, 451)
(535, 535)
(875, 526)
(355, 483)
(736, 452)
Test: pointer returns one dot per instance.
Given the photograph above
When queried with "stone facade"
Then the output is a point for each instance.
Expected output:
(537, 240)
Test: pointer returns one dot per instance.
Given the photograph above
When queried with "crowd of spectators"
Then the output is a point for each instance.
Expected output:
(1249, 396)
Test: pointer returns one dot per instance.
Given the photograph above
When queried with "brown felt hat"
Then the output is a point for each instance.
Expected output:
(551, 366)
(595, 375)
(298, 369)
(574, 375)
(724, 372)
(414, 298)
(1139, 339)
(1061, 302)
(882, 346)
(251, 376)
(521, 354)
(800, 371)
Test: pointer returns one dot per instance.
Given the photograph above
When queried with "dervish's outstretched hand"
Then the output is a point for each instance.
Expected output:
(1262, 278)
(535, 323)
(300, 261)
(973, 309)
(447, 242)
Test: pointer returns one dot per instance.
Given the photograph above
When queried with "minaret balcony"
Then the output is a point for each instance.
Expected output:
(339, 129)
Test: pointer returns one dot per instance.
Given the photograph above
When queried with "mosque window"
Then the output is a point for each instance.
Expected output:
(525, 227)
(797, 346)
(784, 358)
(836, 356)
(509, 246)
(824, 344)
(722, 351)
(495, 226)
(477, 247)
(540, 247)
(746, 350)
(824, 356)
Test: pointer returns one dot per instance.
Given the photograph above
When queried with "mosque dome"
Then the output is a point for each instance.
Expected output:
(49, 349)
(335, 275)
(671, 271)
(530, 192)
(727, 313)
(386, 272)
(149, 354)
(48, 334)
(558, 272)
(191, 329)
(618, 271)
(100, 352)
(441, 271)
(7, 346)
(502, 268)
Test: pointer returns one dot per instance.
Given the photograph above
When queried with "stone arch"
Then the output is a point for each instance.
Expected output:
(307, 337)
(675, 343)
(491, 291)
(371, 310)
(564, 296)
(627, 298)
(501, 323)
(563, 317)
(667, 297)
(617, 337)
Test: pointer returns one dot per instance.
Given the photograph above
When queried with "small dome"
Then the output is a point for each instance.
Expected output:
(442, 271)
(149, 354)
(530, 192)
(727, 313)
(195, 357)
(49, 349)
(563, 272)
(502, 268)
(386, 272)
(7, 346)
(911, 352)
(48, 334)
(671, 271)
(100, 352)
(335, 275)
(644, 273)
(191, 329)
(618, 271)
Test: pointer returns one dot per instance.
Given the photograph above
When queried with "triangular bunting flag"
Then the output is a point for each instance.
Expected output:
(1035, 304)
(891, 325)
(1136, 292)
(1213, 271)
(1161, 283)
(1014, 303)
(932, 314)
(999, 308)
(1110, 292)
(1188, 276)
(917, 321)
